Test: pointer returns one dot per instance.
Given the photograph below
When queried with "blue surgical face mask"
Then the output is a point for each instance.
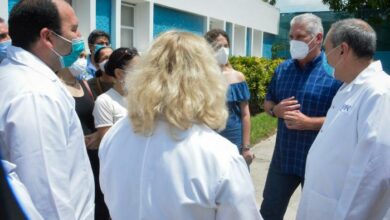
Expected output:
(77, 48)
(328, 68)
(3, 49)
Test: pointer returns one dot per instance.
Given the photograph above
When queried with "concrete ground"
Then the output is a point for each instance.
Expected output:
(259, 170)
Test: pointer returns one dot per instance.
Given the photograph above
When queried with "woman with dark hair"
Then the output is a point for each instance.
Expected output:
(102, 82)
(111, 105)
(238, 125)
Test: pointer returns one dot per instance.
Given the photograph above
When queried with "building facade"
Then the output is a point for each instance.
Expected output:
(137, 22)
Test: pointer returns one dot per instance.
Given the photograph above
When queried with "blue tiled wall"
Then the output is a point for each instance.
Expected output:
(11, 4)
(103, 15)
(248, 41)
(268, 39)
(167, 19)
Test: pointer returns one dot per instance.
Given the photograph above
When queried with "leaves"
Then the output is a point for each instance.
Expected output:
(258, 73)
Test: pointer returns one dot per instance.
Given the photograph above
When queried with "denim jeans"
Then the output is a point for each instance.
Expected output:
(278, 190)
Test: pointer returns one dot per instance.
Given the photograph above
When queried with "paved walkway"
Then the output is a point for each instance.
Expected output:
(259, 170)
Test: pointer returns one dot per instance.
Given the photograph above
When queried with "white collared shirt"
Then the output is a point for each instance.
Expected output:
(348, 165)
(41, 135)
(199, 176)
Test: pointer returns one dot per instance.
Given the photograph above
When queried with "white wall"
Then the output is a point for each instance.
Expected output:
(215, 23)
(250, 13)
(143, 24)
(257, 43)
(86, 13)
(239, 48)
(4, 9)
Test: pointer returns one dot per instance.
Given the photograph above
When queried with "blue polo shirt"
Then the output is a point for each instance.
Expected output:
(314, 89)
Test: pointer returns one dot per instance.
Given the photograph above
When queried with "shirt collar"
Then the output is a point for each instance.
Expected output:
(363, 76)
(318, 59)
(24, 57)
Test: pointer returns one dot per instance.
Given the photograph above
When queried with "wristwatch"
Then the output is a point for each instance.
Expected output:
(271, 111)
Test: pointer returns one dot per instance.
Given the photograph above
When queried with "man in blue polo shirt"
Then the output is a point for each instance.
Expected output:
(299, 95)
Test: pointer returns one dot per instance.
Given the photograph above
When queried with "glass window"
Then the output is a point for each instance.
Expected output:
(127, 25)
(127, 15)
(126, 37)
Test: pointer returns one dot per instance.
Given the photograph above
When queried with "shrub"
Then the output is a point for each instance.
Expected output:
(258, 73)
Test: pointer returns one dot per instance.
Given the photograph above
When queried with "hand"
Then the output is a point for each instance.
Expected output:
(92, 141)
(248, 156)
(286, 105)
(296, 120)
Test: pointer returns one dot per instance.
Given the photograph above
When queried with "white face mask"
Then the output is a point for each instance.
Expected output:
(222, 55)
(78, 67)
(299, 49)
(102, 64)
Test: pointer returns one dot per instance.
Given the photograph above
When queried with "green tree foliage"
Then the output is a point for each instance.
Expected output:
(360, 8)
(258, 73)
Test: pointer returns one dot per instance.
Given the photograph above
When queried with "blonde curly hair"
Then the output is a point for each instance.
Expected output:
(177, 80)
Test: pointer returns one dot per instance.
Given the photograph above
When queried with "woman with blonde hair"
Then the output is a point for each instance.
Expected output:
(165, 161)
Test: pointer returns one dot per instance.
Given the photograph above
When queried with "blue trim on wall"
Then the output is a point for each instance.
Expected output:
(248, 42)
(167, 19)
(229, 31)
(11, 4)
(103, 15)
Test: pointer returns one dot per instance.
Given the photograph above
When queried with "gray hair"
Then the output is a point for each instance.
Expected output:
(358, 34)
(313, 23)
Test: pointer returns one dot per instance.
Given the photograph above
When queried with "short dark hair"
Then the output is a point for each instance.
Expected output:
(212, 35)
(119, 59)
(97, 55)
(95, 34)
(1, 20)
(28, 17)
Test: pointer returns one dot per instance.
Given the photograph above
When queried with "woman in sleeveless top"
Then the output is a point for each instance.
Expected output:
(238, 125)
(84, 103)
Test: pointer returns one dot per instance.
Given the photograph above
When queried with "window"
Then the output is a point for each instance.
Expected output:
(127, 24)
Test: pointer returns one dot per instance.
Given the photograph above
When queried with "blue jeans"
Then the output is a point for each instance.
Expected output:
(278, 190)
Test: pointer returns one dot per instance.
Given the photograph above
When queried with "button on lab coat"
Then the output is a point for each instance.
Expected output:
(41, 135)
(199, 177)
(348, 165)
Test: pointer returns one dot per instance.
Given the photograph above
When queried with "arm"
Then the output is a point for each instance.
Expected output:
(235, 195)
(37, 144)
(246, 132)
(298, 121)
(279, 110)
(102, 131)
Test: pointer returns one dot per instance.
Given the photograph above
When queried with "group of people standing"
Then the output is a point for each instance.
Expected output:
(166, 135)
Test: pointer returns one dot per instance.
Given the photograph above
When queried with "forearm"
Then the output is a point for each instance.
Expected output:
(314, 123)
(268, 108)
(246, 128)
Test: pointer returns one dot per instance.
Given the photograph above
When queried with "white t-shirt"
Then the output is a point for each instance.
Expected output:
(197, 175)
(109, 108)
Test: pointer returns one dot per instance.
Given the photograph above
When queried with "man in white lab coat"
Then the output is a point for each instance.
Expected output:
(348, 166)
(40, 132)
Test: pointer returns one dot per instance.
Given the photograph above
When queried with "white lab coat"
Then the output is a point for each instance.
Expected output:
(200, 176)
(41, 135)
(348, 165)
